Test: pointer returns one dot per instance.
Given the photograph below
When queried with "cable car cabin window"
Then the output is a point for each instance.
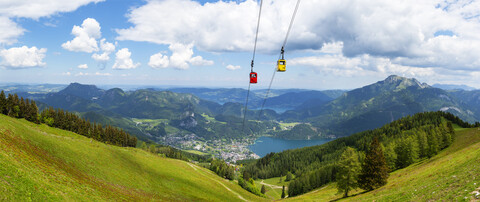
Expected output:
(281, 65)
(253, 77)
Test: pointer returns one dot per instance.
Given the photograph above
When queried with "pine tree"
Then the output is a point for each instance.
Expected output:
(230, 173)
(246, 175)
(3, 103)
(23, 108)
(144, 146)
(33, 110)
(374, 169)
(390, 156)
(348, 171)
(263, 190)
(288, 177)
(283, 191)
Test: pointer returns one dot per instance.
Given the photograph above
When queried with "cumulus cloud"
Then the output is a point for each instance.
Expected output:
(86, 37)
(82, 66)
(123, 60)
(39, 8)
(405, 32)
(364, 65)
(158, 61)
(107, 49)
(33, 9)
(181, 58)
(22, 57)
(10, 31)
(233, 67)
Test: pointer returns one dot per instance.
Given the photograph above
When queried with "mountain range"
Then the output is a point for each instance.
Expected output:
(210, 113)
(377, 104)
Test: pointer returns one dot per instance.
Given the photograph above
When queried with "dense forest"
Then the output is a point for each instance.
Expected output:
(16, 107)
(404, 142)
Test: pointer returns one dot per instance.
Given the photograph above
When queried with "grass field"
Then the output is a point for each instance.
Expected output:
(212, 119)
(273, 187)
(195, 152)
(452, 175)
(288, 125)
(40, 163)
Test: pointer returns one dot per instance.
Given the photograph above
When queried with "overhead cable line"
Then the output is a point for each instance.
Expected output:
(281, 56)
(251, 65)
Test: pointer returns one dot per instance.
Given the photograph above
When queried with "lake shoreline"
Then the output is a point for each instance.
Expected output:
(267, 144)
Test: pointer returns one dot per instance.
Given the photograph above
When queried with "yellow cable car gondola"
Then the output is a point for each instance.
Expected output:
(281, 63)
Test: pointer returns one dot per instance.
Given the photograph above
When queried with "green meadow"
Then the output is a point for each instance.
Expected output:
(39, 163)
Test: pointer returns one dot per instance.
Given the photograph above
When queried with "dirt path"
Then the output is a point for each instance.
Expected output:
(239, 196)
(271, 185)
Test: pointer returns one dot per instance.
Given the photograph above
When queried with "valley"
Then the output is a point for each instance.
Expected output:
(305, 172)
(245, 100)
(210, 120)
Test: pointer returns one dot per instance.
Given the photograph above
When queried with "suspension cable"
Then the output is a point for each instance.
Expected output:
(252, 63)
(280, 56)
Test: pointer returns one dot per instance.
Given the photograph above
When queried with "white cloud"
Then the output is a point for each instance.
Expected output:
(39, 8)
(85, 37)
(104, 57)
(181, 58)
(106, 46)
(123, 60)
(107, 49)
(233, 67)
(82, 66)
(339, 65)
(199, 61)
(158, 61)
(22, 57)
(94, 74)
(10, 31)
(402, 31)
(33, 9)
(184, 21)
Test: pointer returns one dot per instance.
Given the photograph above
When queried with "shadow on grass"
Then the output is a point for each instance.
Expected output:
(350, 196)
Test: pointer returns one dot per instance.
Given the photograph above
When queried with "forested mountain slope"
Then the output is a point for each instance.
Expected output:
(405, 141)
(452, 175)
(180, 112)
(377, 104)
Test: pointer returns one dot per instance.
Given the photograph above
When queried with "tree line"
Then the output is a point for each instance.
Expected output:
(222, 169)
(16, 107)
(402, 142)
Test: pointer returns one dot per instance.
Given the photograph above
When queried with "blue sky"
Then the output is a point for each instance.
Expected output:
(333, 45)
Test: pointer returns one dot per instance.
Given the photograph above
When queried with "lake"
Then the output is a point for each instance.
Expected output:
(265, 145)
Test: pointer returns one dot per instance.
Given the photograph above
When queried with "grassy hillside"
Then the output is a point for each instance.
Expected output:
(452, 175)
(41, 163)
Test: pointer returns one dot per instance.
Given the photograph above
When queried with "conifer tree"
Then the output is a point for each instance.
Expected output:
(348, 171)
(3, 103)
(390, 156)
(288, 177)
(9, 105)
(374, 169)
(283, 191)
(263, 190)
(22, 106)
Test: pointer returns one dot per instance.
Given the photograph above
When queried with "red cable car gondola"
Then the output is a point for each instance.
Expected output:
(253, 77)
